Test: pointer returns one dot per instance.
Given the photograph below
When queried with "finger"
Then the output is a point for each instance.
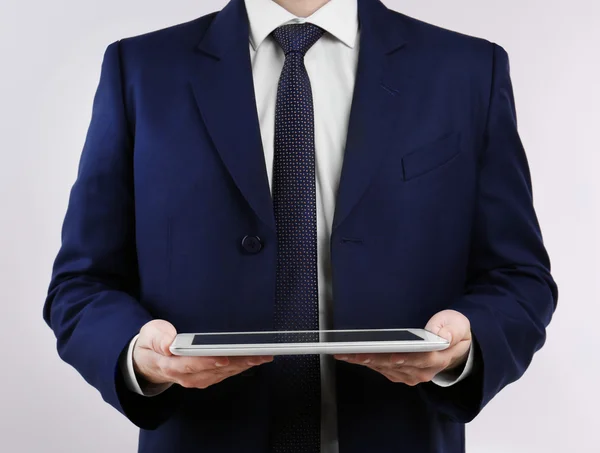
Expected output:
(157, 335)
(207, 378)
(436, 359)
(346, 357)
(370, 360)
(173, 367)
(418, 374)
(399, 377)
(235, 369)
(414, 359)
(252, 360)
(408, 375)
(450, 325)
(380, 360)
(190, 365)
(196, 371)
(216, 375)
(362, 359)
(455, 333)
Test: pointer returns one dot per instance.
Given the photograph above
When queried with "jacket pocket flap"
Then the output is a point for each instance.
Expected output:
(431, 155)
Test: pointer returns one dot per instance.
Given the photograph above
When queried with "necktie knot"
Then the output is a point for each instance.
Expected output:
(297, 37)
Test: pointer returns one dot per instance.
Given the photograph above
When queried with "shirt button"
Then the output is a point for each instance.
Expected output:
(252, 244)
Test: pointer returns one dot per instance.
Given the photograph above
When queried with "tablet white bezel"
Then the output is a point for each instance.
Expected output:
(183, 345)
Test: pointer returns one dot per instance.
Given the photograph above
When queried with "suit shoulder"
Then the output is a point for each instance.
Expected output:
(444, 40)
(167, 39)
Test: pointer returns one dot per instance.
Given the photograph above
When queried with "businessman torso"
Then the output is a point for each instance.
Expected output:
(195, 180)
(401, 219)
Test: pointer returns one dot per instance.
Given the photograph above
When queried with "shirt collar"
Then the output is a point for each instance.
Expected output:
(337, 17)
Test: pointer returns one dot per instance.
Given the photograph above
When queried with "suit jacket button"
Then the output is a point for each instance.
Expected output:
(252, 244)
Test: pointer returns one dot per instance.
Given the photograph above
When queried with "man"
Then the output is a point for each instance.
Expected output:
(301, 164)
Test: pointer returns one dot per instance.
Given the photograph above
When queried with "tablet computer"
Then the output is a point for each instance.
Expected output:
(307, 342)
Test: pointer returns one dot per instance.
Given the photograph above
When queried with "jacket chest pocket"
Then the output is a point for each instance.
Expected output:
(430, 156)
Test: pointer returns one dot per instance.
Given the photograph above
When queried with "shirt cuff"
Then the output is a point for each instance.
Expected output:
(449, 378)
(131, 380)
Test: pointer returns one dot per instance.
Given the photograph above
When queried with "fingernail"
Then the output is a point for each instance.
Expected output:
(252, 363)
(220, 364)
(366, 361)
(399, 362)
(343, 357)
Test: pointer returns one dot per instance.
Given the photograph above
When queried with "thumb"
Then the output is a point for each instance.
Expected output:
(447, 334)
(449, 325)
(158, 335)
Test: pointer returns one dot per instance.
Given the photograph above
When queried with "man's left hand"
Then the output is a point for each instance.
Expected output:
(417, 367)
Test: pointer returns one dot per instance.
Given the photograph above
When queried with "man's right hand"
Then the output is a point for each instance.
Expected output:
(154, 362)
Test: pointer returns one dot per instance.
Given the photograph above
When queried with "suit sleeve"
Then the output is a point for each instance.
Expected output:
(92, 304)
(510, 295)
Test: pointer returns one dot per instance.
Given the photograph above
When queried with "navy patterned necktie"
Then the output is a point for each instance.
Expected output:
(297, 387)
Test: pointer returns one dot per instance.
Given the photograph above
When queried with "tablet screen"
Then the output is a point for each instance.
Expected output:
(304, 337)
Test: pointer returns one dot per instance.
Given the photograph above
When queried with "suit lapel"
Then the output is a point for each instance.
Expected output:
(374, 112)
(222, 83)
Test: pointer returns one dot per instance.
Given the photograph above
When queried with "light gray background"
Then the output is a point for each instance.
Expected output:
(50, 55)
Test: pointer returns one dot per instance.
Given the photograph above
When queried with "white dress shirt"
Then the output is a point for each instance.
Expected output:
(331, 65)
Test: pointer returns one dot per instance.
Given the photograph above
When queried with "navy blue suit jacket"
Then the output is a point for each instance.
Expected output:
(434, 211)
